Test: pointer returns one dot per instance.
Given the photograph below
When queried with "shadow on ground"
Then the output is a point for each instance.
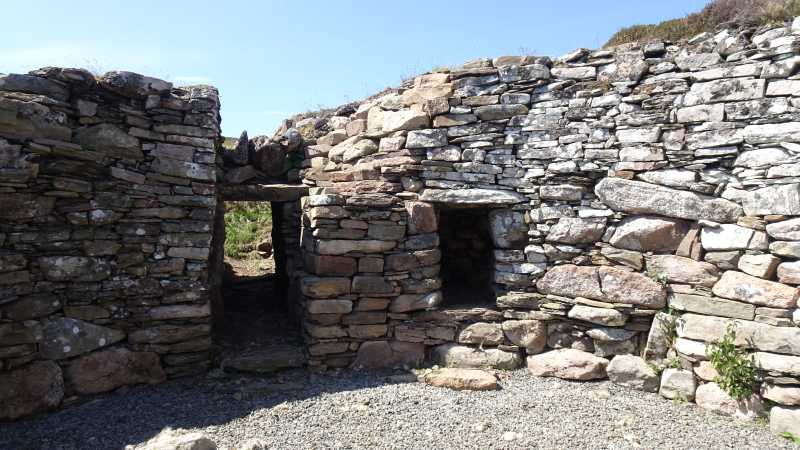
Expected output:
(134, 415)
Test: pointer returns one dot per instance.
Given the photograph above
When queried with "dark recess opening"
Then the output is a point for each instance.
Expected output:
(253, 284)
(467, 260)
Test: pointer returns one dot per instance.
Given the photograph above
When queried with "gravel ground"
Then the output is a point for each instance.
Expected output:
(356, 410)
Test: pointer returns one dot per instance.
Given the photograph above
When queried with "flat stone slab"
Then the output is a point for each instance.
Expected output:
(262, 192)
(646, 198)
(268, 360)
(462, 379)
(479, 197)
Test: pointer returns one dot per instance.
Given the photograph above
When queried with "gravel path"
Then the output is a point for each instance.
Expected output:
(355, 410)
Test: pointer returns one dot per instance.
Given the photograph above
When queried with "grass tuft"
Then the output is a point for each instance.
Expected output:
(247, 224)
(719, 13)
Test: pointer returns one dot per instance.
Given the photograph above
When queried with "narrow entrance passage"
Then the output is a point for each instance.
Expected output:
(256, 333)
(466, 246)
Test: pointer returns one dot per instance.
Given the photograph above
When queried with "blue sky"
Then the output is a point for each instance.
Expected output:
(271, 59)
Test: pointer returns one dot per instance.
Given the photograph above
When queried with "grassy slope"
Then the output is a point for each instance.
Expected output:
(247, 224)
(715, 14)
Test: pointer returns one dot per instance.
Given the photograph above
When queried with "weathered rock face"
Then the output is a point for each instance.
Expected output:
(462, 379)
(678, 384)
(64, 338)
(109, 369)
(644, 198)
(750, 289)
(649, 234)
(452, 355)
(29, 389)
(106, 218)
(711, 397)
(569, 364)
(678, 269)
(633, 372)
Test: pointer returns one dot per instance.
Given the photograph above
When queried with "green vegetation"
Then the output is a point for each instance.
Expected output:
(718, 13)
(670, 326)
(736, 369)
(229, 143)
(247, 224)
(791, 437)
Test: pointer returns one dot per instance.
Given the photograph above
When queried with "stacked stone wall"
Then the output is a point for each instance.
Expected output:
(652, 181)
(107, 200)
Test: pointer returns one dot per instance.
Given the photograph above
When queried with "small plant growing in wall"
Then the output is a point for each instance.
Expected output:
(736, 369)
(669, 326)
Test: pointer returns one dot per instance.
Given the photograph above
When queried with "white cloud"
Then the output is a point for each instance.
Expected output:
(189, 80)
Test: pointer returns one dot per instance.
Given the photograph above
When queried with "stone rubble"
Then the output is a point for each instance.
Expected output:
(593, 193)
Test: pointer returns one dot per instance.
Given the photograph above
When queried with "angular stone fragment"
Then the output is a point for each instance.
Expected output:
(426, 139)
(761, 266)
(109, 369)
(34, 85)
(481, 333)
(570, 230)
(462, 379)
(568, 364)
(132, 84)
(711, 397)
(759, 336)
(29, 389)
(621, 286)
(342, 246)
(169, 439)
(749, 289)
(732, 237)
(600, 316)
(454, 355)
(785, 364)
(528, 334)
(639, 197)
(633, 372)
(389, 354)
(649, 234)
(32, 307)
(772, 133)
(658, 341)
(678, 384)
(783, 395)
(785, 230)
(677, 269)
(415, 302)
(19, 207)
(498, 112)
(789, 272)
(110, 140)
(712, 306)
(508, 228)
(267, 360)
(571, 281)
(784, 420)
(777, 200)
(421, 218)
(64, 338)
(725, 90)
(74, 268)
(477, 197)
(323, 287)
(408, 119)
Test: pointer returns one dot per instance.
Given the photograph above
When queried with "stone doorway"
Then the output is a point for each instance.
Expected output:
(256, 246)
(467, 259)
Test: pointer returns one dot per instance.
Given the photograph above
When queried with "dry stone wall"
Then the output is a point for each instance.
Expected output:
(620, 183)
(107, 200)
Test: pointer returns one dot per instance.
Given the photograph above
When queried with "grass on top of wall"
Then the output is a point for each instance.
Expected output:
(718, 13)
(247, 224)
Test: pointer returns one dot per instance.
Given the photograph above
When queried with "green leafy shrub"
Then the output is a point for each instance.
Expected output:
(735, 368)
